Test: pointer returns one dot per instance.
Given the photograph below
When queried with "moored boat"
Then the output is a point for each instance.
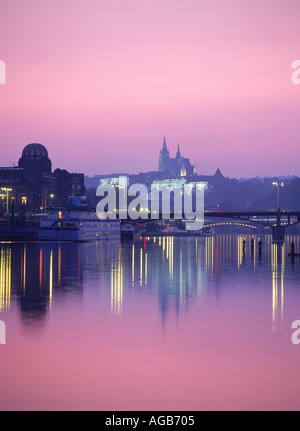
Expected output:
(77, 222)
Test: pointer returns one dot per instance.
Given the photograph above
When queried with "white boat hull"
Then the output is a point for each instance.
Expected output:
(78, 235)
(77, 224)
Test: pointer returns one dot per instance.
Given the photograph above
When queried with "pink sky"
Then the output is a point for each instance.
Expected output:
(100, 82)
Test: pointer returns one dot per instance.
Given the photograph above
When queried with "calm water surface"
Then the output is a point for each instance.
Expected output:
(156, 324)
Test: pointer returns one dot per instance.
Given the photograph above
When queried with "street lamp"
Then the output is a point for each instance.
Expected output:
(51, 199)
(47, 201)
(5, 189)
(278, 185)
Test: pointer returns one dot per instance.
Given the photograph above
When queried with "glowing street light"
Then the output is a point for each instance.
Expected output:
(5, 189)
(47, 201)
(278, 185)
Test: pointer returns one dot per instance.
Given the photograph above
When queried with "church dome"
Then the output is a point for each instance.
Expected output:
(35, 152)
(35, 156)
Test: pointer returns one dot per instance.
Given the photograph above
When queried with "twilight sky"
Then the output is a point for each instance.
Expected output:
(99, 82)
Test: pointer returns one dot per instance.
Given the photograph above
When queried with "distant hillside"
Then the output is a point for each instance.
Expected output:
(231, 194)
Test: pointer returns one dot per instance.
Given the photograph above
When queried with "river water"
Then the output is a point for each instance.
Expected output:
(155, 324)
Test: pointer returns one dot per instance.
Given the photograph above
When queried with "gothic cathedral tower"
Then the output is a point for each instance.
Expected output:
(163, 156)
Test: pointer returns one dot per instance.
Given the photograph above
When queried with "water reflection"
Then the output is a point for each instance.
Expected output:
(29, 273)
(177, 271)
(117, 284)
(5, 278)
(278, 267)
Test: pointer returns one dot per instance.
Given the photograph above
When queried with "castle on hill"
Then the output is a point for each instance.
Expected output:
(176, 167)
(169, 169)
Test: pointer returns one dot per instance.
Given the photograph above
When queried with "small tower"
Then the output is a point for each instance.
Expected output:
(163, 156)
(178, 155)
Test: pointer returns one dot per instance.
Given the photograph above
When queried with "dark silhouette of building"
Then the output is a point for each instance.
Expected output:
(176, 167)
(33, 186)
(35, 157)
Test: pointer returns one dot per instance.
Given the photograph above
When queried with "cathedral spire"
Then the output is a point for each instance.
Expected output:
(165, 142)
(164, 155)
(178, 151)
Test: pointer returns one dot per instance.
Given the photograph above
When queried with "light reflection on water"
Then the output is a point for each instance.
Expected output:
(179, 283)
